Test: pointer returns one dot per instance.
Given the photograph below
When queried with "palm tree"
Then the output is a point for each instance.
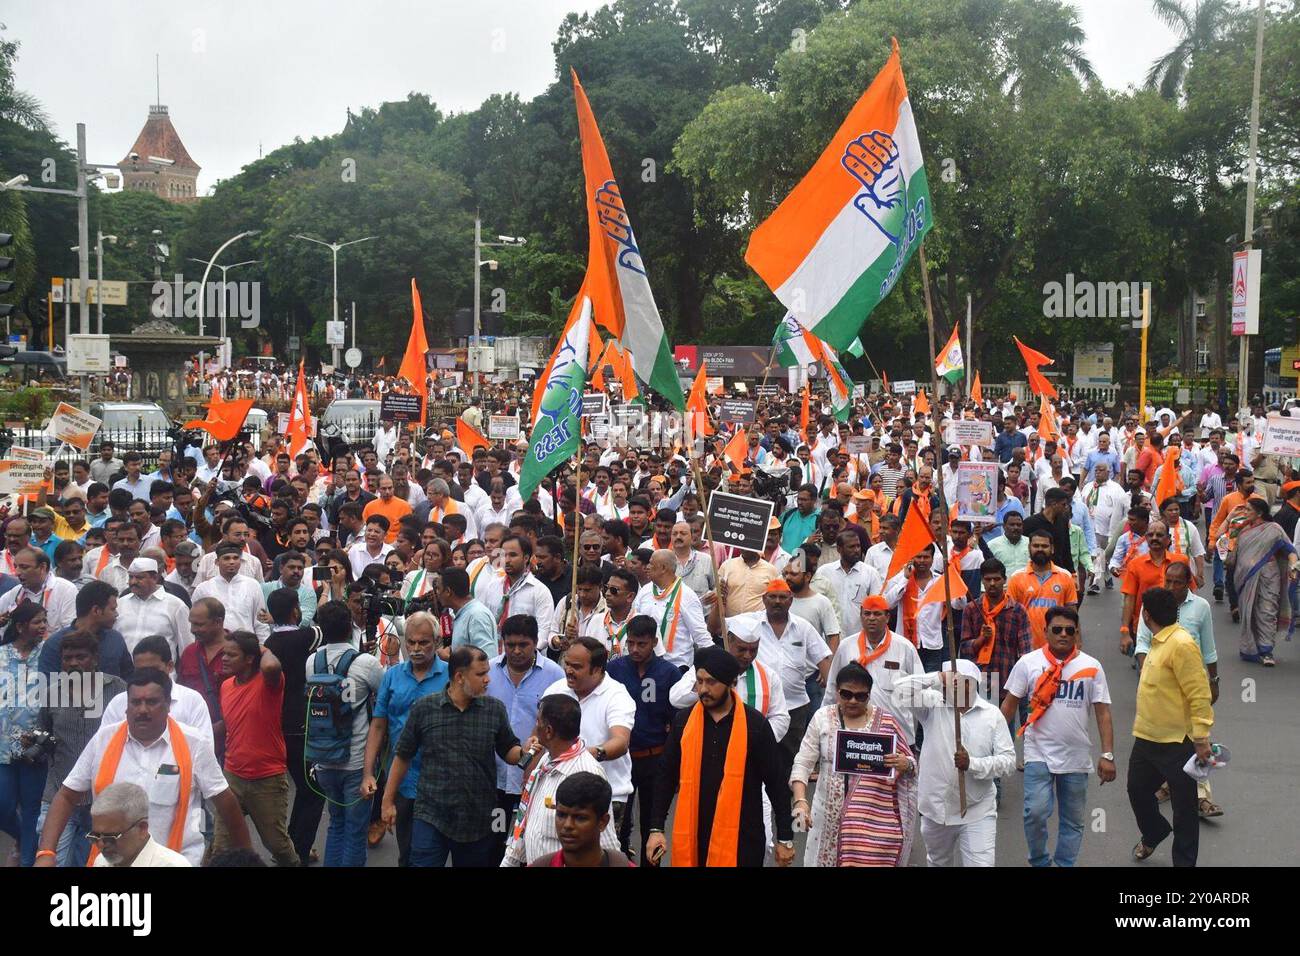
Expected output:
(1198, 26)
(1044, 43)
(15, 105)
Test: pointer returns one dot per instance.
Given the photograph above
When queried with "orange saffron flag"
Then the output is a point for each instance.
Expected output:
(1171, 482)
(1038, 383)
(414, 368)
(912, 540)
(698, 404)
(804, 417)
(737, 450)
(976, 393)
(224, 419)
(921, 404)
(299, 429)
(469, 438)
(955, 588)
(1048, 429)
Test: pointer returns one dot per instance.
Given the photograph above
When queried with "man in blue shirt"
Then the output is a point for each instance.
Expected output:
(421, 674)
(472, 622)
(648, 678)
(517, 678)
(1008, 440)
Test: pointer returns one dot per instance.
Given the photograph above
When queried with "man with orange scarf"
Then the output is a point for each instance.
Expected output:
(721, 756)
(995, 629)
(173, 762)
(885, 654)
(1062, 684)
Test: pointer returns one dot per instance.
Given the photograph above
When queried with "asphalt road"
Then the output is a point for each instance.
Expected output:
(1255, 717)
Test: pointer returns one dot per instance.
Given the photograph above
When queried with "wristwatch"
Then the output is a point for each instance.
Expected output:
(788, 844)
(600, 754)
(1108, 756)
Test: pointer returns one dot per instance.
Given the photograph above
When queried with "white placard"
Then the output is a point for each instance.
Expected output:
(72, 425)
(21, 477)
(503, 426)
(967, 431)
(1246, 266)
(1282, 436)
(905, 387)
(88, 355)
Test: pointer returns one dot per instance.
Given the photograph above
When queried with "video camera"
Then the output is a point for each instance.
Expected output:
(772, 484)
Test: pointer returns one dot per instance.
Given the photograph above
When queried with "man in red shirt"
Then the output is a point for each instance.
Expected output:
(252, 696)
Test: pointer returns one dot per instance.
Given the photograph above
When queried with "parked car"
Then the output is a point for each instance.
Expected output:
(132, 426)
(352, 419)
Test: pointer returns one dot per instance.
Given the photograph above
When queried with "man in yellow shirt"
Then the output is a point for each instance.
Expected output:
(1173, 722)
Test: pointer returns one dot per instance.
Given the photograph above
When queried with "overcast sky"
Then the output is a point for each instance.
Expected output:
(239, 73)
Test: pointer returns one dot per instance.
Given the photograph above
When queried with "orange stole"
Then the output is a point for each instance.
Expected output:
(184, 764)
(724, 838)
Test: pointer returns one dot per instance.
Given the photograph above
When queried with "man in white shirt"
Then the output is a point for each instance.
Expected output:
(123, 809)
(38, 585)
(371, 549)
(759, 684)
(149, 749)
(793, 648)
(514, 589)
(608, 713)
(986, 753)
(921, 620)
(188, 705)
(497, 509)
(236, 531)
(148, 609)
(1058, 750)
(239, 594)
(817, 609)
(676, 610)
(880, 554)
(886, 655)
(1210, 420)
(852, 578)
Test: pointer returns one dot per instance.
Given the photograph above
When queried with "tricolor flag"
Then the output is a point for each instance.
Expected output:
(616, 281)
(949, 362)
(556, 430)
(838, 243)
(797, 347)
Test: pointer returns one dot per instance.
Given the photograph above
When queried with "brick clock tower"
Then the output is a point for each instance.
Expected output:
(176, 182)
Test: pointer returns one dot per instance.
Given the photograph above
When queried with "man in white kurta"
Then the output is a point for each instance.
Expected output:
(987, 753)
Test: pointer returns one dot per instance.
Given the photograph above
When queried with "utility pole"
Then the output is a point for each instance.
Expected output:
(83, 251)
(472, 365)
(1243, 372)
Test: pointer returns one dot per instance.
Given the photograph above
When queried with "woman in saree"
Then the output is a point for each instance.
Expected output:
(855, 819)
(1261, 565)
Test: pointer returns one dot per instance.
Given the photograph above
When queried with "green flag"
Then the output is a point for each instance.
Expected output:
(557, 431)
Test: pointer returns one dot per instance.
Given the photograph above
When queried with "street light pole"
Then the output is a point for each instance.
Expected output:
(203, 285)
(83, 250)
(1243, 360)
(225, 359)
(478, 264)
(479, 245)
(334, 247)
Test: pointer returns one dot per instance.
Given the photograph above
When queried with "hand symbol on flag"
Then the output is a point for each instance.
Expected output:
(614, 221)
(872, 159)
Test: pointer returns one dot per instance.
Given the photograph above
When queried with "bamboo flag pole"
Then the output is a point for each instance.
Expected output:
(942, 540)
(577, 534)
(768, 370)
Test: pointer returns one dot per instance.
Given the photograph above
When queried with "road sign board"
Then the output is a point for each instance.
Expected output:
(352, 358)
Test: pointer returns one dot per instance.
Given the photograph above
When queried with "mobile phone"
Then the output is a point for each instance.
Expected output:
(320, 572)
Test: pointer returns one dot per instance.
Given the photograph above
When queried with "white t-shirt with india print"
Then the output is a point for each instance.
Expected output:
(1060, 737)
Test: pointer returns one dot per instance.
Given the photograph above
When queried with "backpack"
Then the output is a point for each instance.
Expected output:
(329, 711)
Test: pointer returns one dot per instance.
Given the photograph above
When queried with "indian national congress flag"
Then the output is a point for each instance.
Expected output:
(838, 243)
(557, 428)
(949, 362)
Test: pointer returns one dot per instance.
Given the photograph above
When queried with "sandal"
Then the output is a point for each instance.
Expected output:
(1267, 660)
(1208, 808)
(1236, 616)
(1142, 851)
(1162, 795)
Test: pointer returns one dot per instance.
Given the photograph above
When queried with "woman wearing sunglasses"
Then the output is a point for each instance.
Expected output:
(855, 819)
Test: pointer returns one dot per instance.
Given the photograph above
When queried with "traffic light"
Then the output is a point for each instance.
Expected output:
(6, 263)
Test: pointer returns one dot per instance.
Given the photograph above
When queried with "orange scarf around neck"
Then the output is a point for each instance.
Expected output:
(865, 654)
(184, 764)
(724, 838)
(990, 619)
(1048, 683)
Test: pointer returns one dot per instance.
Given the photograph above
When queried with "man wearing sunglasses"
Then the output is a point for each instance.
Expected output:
(1062, 685)
(120, 827)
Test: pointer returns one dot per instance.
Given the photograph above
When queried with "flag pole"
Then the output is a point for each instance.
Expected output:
(942, 541)
(768, 370)
(699, 491)
(577, 533)
(970, 344)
